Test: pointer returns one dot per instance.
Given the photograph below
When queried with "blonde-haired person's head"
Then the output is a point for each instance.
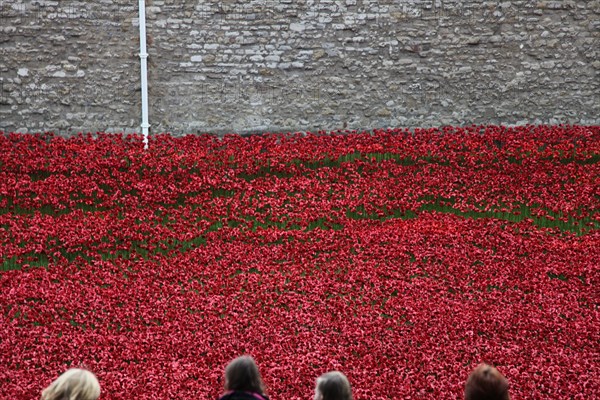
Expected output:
(333, 386)
(74, 384)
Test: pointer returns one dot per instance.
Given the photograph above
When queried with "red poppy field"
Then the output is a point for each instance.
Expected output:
(402, 258)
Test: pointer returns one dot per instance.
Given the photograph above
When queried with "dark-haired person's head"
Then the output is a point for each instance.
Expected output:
(486, 383)
(333, 386)
(242, 374)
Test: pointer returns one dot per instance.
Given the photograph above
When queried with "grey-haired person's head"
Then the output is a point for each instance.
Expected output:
(333, 385)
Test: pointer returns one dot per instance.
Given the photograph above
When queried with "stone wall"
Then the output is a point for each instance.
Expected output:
(266, 65)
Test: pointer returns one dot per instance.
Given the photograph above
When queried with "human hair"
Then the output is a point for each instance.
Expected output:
(486, 383)
(333, 385)
(242, 374)
(74, 384)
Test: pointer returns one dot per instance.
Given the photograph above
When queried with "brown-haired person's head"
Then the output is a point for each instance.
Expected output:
(486, 383)
(333, 386)
(242, 374)
(75, 384)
